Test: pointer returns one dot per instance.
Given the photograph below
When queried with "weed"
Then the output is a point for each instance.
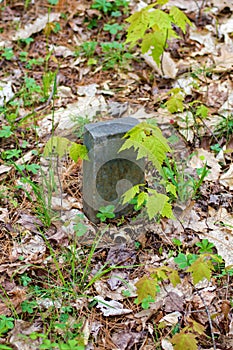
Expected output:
(11, 153)
(23, 56)
(48, 81)
(113, 8)
(53, 2)
(216, 148)
(114, 54)
(112, 28)
(106, 213)
(30, 91)
(179, 183)
(205, 246)
(6, 131)
(29, 306)
(6, 323)
(80, 124)
(224, 128)
(88, 48)
(185, 260)
(34, 62)
(27, 41)
(8, 53)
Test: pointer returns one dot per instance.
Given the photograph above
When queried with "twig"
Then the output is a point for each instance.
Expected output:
(209, 319)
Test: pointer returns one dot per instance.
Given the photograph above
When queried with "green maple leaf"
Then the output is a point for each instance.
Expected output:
(77, 151)
(158, 204)
(180, 19)
(139, 23)
(131, 193)
(174, 277)
(159, 18)
(142, 197)
(149, 142)
(185, 341)
(175, 103)
(201, 268)
(58, 145)
(146, 287)
(172, 189)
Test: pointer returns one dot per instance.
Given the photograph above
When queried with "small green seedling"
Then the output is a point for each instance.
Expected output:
(112, 28)
(5, 131)
(216, 148)
(205, 246)
(8, 53)
(185, 260)
(6, 323)
(106, 213)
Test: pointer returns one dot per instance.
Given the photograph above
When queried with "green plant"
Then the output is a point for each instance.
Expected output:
(28, 306)
(30, 91)
(27, 41)
(151, 28)
(89, 47)
(43, 197)
(110, 7)
(178, 183)
(25, 280)
(8, 53)
(113, 28)
(225, 127)
(175, 100)
(34, 62)
(114, 54)
(205, 246)
(53, 2)
(149, 142)
(11, 153)
(48, 81)
(23, 56)
(102, 5)
(216, 148)
(6, 131)
(80, 123)
(6, 323)
(106, 213)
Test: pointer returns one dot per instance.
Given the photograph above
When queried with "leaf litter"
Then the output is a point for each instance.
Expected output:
(116, 321)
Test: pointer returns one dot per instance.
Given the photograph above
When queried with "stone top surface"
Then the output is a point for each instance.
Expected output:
(110, 127)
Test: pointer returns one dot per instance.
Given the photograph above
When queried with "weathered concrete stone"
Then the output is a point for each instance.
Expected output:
(108, 174)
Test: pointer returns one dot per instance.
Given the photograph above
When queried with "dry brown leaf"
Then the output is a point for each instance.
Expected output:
(200, 158)
(226, 179)
(36, 26)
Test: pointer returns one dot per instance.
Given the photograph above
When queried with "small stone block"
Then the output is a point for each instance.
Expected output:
(108, 174)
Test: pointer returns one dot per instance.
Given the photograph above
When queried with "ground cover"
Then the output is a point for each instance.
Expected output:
(67, 283)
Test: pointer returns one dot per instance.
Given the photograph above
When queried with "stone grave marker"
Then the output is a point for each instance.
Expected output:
(108, 174)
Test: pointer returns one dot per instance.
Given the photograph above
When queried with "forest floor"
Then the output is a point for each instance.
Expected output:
(128, 283)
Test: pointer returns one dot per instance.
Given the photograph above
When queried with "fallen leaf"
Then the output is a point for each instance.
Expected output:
(200, 158)
(35, 27)
(111, 308)
(226, 179)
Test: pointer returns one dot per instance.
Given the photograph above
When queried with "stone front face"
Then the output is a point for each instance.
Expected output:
(108, 174)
